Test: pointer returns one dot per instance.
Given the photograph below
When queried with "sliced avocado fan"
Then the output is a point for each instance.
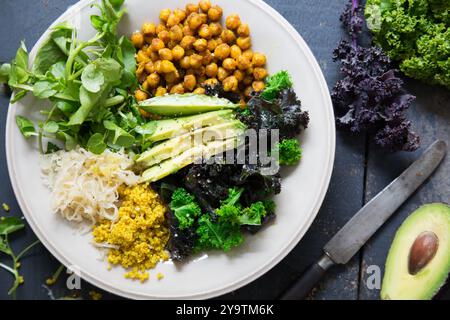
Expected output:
(418, 262)
(178, 145)
(188, 157)
(185, 104)
(170, 128)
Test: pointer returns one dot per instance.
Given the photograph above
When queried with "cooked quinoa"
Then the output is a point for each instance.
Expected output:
(140, 232)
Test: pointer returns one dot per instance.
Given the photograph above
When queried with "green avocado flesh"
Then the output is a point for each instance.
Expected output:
(178, 145)
(188, 157)
(403, 280)
(185, 104)
(170, 128)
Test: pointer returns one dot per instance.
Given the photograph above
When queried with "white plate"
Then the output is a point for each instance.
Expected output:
(303, 189)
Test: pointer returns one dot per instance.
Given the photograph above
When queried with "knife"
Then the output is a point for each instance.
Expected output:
(347, 242)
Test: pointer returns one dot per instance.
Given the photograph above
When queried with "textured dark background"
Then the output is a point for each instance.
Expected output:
(360, 172)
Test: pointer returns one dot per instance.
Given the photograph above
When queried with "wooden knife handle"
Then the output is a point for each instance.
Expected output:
(303, 286)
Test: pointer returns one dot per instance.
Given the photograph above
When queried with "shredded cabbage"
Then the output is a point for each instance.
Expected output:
(85, 185)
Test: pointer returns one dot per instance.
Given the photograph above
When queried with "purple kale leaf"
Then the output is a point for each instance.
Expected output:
(370, 97)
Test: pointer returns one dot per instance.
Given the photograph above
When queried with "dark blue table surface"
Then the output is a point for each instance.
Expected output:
(360, 171)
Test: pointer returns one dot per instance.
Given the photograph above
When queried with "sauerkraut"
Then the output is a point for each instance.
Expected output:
(84, 185)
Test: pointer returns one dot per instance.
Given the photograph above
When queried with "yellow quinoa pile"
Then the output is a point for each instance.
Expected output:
(140, 232)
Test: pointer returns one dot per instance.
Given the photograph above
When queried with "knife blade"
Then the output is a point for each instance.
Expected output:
(349, 240)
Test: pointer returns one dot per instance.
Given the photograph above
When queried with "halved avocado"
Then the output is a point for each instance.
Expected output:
(418, 262)
(185, 104)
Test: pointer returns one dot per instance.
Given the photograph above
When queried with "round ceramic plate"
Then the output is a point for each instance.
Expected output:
(303, 187)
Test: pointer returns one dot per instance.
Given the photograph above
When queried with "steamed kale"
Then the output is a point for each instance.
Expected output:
(370, 97)
(415, 33)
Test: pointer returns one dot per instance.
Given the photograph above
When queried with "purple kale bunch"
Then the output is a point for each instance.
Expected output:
(370, 97)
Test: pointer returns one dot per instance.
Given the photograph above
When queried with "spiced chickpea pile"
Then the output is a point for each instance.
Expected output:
(190, 48)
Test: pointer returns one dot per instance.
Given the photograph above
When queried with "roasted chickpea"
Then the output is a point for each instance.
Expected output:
(167, 67)
(196, 61)
(201, 45)
(233, 22)
(248, 54)
(191, 8)
(230, 84)
(207, 57)
(235, 51)
(229, 64)
(201, 72)
(244, 43)
(215, 28)
(211, 82)
(211, 70)
(239, 75)
(164, 14)
(260, 73)
(205, 5)
(173, 20)
(243, 63)
(259, 59)
(177, 89)
(137, 39)
(154, 56)
(157, 44)
(149, 29)
(157, 65)
(185, 63)
(250, 71)
(187, 31)
(160, 27)
(153, 80)
(187, 42)
(144, 85)
(244, 30)
(149, 67)
(177, 53)
(180, 14)
(176, 33)
(142, 57)
(199, 91)
(228, 36)
(212, 44)
(222, 74)
(160, 91)
(164, 36)
(166, 54)
(215, 13)
(195, 21)
(190, 82)
(140, 95)
(258, 86)
(205, 32)
(204, 18)
(222, 52)
(172, 44)
(172, 77)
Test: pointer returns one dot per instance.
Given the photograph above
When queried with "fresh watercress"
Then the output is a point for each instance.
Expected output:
(8, 226)
(89, 84)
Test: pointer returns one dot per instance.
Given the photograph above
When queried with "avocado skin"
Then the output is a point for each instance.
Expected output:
(398, 283)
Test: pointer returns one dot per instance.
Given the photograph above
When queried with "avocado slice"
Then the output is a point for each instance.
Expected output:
(178, 145)
(185, 104)
(418, 262)
(177, 163)
(169, 128)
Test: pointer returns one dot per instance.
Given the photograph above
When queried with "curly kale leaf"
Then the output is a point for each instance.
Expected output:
(185, 208)
(217, 235)
(370, 96)
(289, 152)
(415, 33)
(275, 84)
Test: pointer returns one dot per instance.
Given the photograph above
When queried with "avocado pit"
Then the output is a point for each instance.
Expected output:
(422, 251)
